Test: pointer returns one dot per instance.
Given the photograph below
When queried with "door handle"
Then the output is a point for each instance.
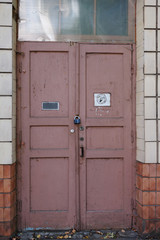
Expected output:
(82, 152)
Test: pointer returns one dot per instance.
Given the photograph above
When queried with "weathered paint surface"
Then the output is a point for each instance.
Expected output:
(106, 169)
(59, 189)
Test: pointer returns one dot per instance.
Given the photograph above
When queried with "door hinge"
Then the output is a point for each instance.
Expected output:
(20, 138)
(20, 67)
(20, 53)
(132, 136)
(132, 69)
(19, 205)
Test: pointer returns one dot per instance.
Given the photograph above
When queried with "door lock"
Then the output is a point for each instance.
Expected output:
(77, 120)
(82, 152)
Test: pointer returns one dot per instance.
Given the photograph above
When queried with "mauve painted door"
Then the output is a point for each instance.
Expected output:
(59, 187)
(48, 155)
(106, 170)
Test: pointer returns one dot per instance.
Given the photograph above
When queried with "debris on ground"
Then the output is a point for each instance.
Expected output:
(123, 234)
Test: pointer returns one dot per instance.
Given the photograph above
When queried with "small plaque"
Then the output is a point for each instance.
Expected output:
(50, 105)
(102, 99)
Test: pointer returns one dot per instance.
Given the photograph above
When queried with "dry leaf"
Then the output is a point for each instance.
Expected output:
(123, 230)
(66, 232)
(73, 231)
(98, 232)
(59, 237)
(70, 236)
(66, 236)
(38, 236)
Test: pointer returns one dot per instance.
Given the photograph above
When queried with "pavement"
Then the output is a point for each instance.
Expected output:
(127, 234)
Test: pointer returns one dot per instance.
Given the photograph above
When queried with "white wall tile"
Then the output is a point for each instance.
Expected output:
(150, 108)
(159, 153)
(158, 17)
(140, 156)
(150, 152)
(5, 84)
(5, 61)
(5, 37)
(149, 40)
(158, 40)
(150, 17)
(150, 85)
(158, 62)
(149, 63)
(5, 153)
(158, 107)
(150, 130)
(5, 107)
(150, 2)
(5, 130)
(5, 14)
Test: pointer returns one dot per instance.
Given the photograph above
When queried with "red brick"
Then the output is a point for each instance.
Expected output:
(1, 185)
(152, 184)
(1, 200)
(13, 170)
(139, 168)
(7, 229)
(145, 186)
(1, 229)
(158, 227)
(7, 200)
(7, 185)
(158, 212)
(149, 184)
(152, 170)
(1, 214)
(7, 171)
(1, 171)
(158, 184)
(152, 198)
(158, 170)
(139, 182)
(158, 198)
(139, 196)
(7, 214)
(139, 210)
(145, 198)
(145, 172)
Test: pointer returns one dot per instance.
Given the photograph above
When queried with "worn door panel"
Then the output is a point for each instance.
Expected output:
(48, 151)
(105, 169)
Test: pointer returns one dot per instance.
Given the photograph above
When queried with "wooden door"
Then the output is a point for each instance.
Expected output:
(106, 170)
(47, 146)
(75, 176)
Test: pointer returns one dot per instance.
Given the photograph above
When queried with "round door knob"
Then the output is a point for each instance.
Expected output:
(72, 130)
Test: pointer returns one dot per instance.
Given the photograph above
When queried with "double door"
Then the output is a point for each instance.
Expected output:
(75, 175)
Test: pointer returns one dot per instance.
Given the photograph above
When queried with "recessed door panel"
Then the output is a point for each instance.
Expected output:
(49, 82)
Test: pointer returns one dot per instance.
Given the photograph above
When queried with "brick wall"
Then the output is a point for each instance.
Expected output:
(148, 197)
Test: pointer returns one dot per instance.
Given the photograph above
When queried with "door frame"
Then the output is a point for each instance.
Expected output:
(20, 55)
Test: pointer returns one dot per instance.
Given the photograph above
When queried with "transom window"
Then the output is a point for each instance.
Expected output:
(77, 20)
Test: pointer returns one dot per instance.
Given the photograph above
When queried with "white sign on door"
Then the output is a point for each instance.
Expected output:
(102, 100)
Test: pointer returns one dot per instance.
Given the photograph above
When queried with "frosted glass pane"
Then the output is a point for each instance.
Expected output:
(112, 17)
(77, 17)
(77, 20)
